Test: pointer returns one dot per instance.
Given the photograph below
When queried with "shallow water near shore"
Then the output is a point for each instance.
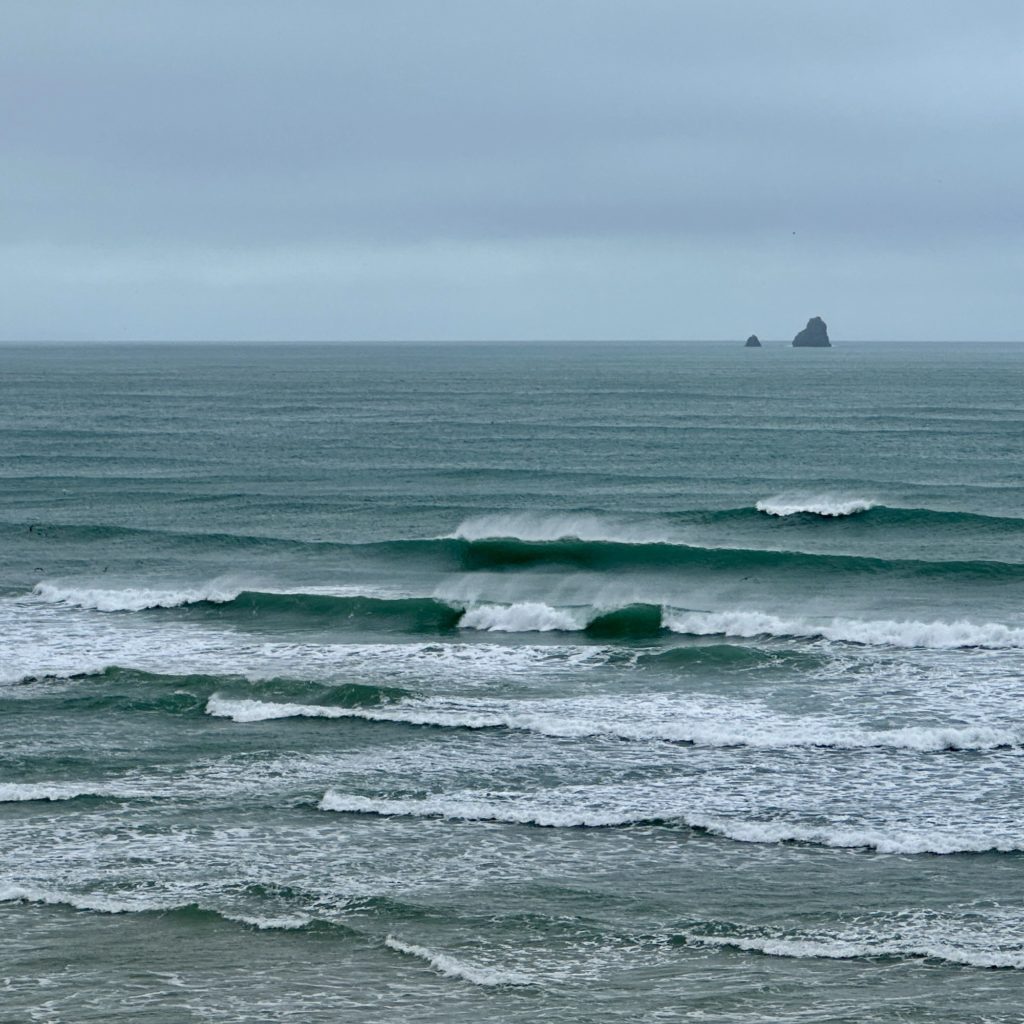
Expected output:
(576, 682)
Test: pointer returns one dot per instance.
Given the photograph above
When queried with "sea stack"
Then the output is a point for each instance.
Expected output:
(753, 342)
(814, 335)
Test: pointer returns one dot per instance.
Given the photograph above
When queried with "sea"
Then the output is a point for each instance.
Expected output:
(562, 682)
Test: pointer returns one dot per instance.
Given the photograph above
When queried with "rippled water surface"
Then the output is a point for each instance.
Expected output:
(584, 683)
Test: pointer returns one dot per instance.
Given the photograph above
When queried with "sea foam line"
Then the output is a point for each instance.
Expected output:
(572, 725)
(450, 967)
(136, 599)
(17, 792)
(468, 807)
(100, 904)
(882, 633)
(841, 949)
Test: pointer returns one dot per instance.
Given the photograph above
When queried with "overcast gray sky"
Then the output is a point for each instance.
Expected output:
(364, 169)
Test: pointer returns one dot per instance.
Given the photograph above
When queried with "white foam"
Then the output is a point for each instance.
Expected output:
(97, 904)
(574, 808)
(108, 905)
(524, 617)
(841, 949)
(40, 639)
(14, 792)
(131, 599)
(284, 922)
(653, 719)
(928, 841)
(936, 635)
(819, 505)
(448, 966)
(135, 599)
(469, 808)
(574, 526)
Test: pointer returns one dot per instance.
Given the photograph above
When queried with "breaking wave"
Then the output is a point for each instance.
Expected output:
(450, 967)
(130, 599)
(18, 792)
(418, 615)
(888, 633)
(820, 505)
(644, 620)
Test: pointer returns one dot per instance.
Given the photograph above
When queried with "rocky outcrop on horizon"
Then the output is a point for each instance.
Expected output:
(814, 335)
(753, 342)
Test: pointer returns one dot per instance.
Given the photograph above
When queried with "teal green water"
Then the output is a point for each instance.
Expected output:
(569, 682)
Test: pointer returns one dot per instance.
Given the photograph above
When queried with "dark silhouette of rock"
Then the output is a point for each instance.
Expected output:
(814, 335)
(753, 342)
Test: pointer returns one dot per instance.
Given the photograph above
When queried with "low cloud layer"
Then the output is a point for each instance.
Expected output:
(579, 169)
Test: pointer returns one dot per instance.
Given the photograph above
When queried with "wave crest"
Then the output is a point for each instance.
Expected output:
(131, 599)
(450, 967)
(823, 505)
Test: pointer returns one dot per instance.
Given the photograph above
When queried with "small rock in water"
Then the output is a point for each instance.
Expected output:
(753, 342)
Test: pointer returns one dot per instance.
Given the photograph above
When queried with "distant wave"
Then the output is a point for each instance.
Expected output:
(820, 505)
(450, 967)
(539, 528)
(470, 808)
(533, 528)
(610, 555)
(705, 730)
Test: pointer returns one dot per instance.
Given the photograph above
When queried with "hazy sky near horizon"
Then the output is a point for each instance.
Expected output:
(461, 169)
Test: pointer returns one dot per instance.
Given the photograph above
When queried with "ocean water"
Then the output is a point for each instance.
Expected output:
(566, 682)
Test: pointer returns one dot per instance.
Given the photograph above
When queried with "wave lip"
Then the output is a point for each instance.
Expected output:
(450, 967)
(826, 506)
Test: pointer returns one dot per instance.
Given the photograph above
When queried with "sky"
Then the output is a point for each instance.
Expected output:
(511, 169)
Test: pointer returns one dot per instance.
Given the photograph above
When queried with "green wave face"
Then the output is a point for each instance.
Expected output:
(610, 556)
(127, 690)
(403, 615)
